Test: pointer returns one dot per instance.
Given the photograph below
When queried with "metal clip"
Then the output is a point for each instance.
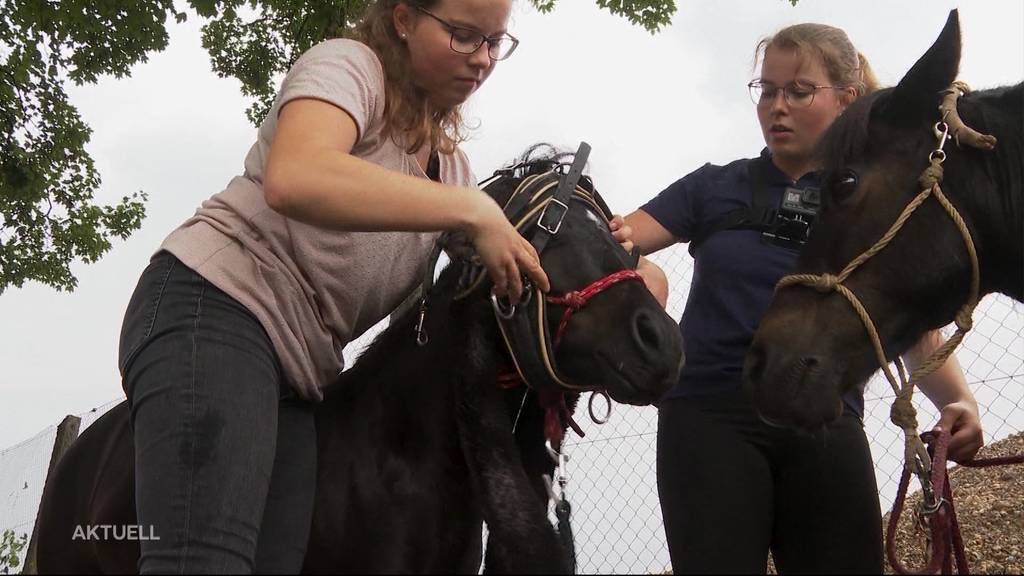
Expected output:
(941, 131)
(421, 334)
(563, 471)
(561, 461)
(930, 509)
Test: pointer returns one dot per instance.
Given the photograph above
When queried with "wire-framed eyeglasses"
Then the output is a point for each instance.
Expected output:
(468, 41)
(797, 94)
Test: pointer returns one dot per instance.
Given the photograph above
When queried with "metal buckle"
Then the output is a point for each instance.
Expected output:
(543, 215)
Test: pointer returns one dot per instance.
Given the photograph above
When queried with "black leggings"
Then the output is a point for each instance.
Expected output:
(732, 487)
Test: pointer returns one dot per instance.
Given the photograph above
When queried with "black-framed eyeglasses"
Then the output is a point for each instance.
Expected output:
(468, 41)
(797, 94)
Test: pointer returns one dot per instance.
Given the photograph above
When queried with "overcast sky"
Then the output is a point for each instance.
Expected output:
(653, 108)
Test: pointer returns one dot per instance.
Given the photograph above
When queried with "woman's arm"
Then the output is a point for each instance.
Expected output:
(648, 233)
(312, 177)
(654, 277)
(947, 389)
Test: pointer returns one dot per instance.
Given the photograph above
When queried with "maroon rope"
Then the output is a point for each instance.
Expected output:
(947, 541)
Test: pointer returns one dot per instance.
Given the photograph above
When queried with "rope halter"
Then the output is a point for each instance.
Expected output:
(903, 413)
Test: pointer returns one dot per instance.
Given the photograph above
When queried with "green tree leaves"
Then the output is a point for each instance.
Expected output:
(47, 179)
(48, 216)
(10, 547)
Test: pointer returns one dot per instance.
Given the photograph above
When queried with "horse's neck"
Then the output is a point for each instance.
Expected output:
(396, 366)
(998, 212)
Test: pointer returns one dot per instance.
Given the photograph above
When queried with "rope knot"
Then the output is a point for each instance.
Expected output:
(962, 133)
(903, 414)
(825, 283)
(964, 320)
(574, 300)
(931, 176)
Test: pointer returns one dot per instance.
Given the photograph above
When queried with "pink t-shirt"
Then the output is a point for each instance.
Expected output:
(313, 289)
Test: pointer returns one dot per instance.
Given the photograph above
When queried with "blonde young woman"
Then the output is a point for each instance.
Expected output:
(731, 486)
(242, 314)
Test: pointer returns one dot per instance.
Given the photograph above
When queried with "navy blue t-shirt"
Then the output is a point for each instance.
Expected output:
(734, 274)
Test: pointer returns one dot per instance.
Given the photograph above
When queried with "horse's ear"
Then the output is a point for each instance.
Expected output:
(919, 92)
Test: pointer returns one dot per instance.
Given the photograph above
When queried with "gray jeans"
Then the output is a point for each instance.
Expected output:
(225, 452)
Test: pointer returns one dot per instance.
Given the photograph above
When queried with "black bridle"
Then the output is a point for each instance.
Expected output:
(537, 208)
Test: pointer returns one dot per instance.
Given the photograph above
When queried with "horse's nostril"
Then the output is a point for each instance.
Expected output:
(810, 362)
(645, 332)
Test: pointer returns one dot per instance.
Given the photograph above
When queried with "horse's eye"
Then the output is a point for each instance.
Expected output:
(844, 184)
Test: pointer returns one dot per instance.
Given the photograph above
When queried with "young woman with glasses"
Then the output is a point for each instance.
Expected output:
(242, 315)
(732, 486)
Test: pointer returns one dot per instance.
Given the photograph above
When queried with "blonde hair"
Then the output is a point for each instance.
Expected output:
(843, 63)
(410, 119)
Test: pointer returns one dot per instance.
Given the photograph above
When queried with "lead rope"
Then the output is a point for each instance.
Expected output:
(943, 535)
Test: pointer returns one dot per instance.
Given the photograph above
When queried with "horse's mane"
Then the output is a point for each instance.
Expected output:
(399, 334)
(1000, 112)
(996, 111)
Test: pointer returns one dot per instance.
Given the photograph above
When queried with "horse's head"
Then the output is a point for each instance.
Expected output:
(598, 328)
(811, 346)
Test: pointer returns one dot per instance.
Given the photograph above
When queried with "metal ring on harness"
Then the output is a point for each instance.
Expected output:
(500, 311)
(931, 510)
(590, 407)
(527, 294)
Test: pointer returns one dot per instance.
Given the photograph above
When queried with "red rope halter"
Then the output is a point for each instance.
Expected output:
(577, 299)
(555, 410)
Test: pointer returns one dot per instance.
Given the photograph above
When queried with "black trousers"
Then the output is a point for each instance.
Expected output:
(732, 487)
(225, 451)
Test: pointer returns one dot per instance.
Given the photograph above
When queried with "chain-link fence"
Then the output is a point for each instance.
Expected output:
(613, 487)
(612, 482)
(22, 474)
(23, 470)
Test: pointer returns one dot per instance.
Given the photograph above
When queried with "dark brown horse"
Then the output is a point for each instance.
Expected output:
(417, 444)
(811, 347)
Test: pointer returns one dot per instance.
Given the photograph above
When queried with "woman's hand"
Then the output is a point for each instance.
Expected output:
(962, 421)
(655, 279)
(622, 232)
(947, 388)
(505, 254)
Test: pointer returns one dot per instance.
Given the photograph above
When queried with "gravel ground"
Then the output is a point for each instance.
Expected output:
(990, 509)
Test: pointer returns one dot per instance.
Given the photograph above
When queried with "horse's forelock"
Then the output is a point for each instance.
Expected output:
(847, 138)
(542, 157)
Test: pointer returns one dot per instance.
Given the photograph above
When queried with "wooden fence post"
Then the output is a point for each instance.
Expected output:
(67, 433)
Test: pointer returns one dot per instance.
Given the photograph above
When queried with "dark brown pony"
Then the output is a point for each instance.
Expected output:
(417, 445)
(811, 347)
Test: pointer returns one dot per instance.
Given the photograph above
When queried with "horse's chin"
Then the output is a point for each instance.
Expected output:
(806, 418)
(810, 409)
(634, 385)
